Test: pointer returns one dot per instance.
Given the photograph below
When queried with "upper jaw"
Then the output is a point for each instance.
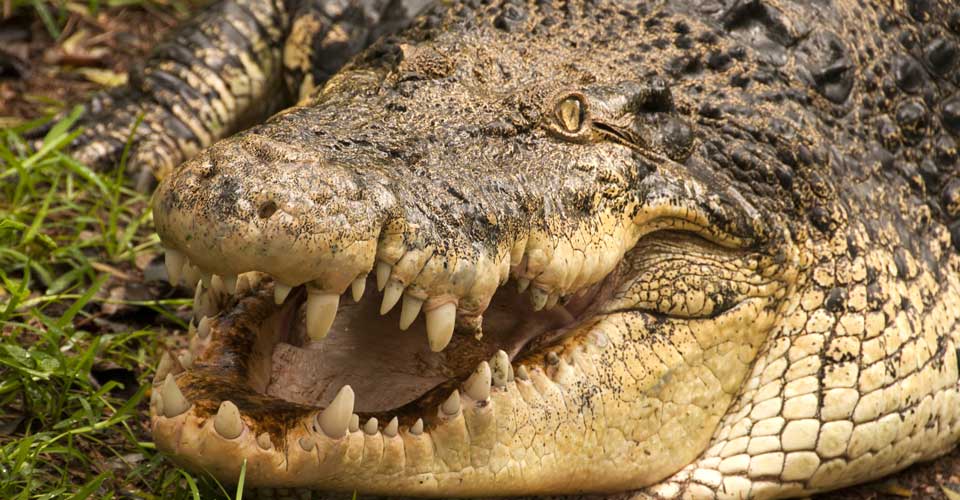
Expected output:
(329, 226)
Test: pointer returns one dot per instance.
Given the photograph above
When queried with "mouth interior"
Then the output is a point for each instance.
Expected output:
(386, 367)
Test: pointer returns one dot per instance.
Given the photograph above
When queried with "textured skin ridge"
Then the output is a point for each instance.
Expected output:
(806, 339)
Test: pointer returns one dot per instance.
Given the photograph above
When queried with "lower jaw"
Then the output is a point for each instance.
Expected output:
(552, 430)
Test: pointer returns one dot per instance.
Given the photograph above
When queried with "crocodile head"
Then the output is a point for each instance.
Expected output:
(510, 255)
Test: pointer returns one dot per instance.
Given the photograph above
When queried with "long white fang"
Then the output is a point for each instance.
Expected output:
(227, 422)
(409, 311)
(452, 405)
(280, 292)
(391, 295)
(174, 260)
(417, 428)
(321, 311)
(197, 300)
(500, 369)
(357, 288)
(478, 385)
(354, 423)
(174, 402)
(522, 285)
(335, 420)
(383, 274)
(371, 426)
(440, 323)
(391, 429)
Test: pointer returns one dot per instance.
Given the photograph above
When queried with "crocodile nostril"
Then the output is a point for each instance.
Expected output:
(267, 209)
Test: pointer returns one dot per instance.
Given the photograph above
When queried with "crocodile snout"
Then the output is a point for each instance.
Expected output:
(234, 209)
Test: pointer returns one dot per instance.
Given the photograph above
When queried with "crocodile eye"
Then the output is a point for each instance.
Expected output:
(570, 114)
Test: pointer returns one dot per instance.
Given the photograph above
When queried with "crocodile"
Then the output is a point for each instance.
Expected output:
(688, 249)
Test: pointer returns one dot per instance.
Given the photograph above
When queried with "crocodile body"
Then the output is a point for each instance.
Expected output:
(732, 227)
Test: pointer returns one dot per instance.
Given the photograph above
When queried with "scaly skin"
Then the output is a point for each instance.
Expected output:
(746, 211)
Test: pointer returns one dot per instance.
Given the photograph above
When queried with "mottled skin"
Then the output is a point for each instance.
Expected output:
(757, 199)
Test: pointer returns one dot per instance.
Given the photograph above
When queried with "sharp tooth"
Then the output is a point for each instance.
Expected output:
(440, 322)
(321, 310)
(174, 261)
(417, 428)
(551, 301)
(335, 420)
(452, 405)
(509, 373)
(263, 440)
(522, 373)
(227, 422)
(186, 360)
(500, 369)
(217, 284)
(538, 298)
(243, 284)
(280, 292)
(409, 311)
(383, 274)
(207, 279)
(203, 329)
(371, 426)
(357, 288)
(391, 429)
(391, 295)
(478, 385)
(197, 300)
(164, 368)
(306, 443)
(174, 402)
(354, 423)
(522, 285)
(230, 283)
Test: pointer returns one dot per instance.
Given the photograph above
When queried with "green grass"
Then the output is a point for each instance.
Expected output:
(76, 355)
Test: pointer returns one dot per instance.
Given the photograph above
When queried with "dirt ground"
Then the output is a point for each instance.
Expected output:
(39, 74)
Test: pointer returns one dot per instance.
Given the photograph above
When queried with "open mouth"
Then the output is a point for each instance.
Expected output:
(254, 366)
(394, 372)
